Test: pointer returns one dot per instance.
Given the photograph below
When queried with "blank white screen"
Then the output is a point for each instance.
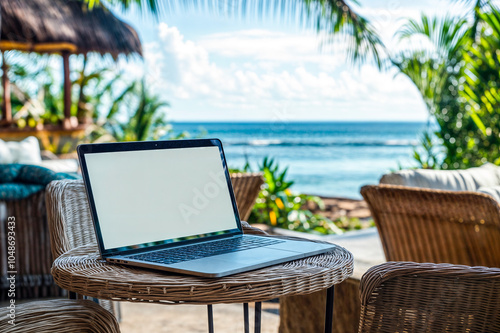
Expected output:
(155, 195)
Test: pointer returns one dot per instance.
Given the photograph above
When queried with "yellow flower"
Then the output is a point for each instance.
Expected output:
(279, 203)
(272, 217)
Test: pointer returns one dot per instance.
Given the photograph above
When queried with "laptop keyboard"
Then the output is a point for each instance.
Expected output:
(202, 250)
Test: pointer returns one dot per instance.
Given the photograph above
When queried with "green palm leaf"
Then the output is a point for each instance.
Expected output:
(447, 35)
(152, 6)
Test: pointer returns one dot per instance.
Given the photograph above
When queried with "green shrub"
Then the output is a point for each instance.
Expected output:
(277, 206)
(458, 76)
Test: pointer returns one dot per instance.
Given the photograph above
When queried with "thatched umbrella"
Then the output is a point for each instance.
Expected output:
(64, 27)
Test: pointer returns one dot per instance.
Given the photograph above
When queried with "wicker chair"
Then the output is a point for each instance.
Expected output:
(427, 225)
(70, 224)
(424, 297)
(246, 188)
(22, 201)
(33, 264)
(69, 316)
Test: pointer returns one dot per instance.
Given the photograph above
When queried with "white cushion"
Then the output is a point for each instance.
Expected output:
(5, 155)
(63, 165)
(494, 191)
(26, 151)
(471, 179)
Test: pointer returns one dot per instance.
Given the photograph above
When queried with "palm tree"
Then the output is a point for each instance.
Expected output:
(482, 84)
(446, 70)
(435, 69)
(145, 120)
(431, 68)
(333, 19)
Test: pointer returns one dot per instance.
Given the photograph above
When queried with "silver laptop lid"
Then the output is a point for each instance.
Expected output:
(157, 194)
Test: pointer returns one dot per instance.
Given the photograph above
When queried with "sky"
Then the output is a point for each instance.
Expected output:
(214, 68)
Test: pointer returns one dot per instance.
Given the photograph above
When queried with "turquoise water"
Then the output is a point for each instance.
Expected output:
(324, 158)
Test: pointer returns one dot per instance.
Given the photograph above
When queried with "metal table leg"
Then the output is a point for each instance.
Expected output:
(330, 293)
(258, 312)
(210, 318)
(245, 317)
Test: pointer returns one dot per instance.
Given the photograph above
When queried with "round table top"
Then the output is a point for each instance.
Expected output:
(81, 270)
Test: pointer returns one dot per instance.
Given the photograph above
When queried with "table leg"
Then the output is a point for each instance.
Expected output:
(245, 317)
(330, 293)
(258, 311)
(210, 318)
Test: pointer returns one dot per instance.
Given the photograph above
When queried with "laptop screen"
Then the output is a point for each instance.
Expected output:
(152, 197)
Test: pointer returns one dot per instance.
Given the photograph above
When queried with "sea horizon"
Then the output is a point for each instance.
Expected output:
(325, 158)
(173, 122)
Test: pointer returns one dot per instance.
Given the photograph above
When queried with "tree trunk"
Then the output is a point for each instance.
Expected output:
(67, 92)
(6, 106)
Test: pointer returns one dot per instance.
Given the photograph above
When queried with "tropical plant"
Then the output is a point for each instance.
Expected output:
(152, 6)
(91, 87)
(33, 98)
(37, 100)
(277, 206)
(482, 87)
(145, 120)
(442, 70)
(428, 153)
(115, 109)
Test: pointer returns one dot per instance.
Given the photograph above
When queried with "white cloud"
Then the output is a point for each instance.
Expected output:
(266, 75)
(273, 48)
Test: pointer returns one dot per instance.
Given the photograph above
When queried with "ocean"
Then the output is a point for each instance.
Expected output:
(323, 158)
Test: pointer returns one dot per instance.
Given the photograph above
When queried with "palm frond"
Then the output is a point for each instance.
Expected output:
(334, 19)
(421, 70)
(477, 3)
(338, 20)
(447, 35)
(475, 6)
(150, 6)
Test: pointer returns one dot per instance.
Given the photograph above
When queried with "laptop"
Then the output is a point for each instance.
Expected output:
(169, 205)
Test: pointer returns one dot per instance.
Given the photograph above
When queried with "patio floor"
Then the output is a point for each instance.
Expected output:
(228, 318)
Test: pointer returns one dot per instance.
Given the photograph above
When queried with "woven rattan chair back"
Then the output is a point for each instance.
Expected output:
(246, 188)
(69, 217)
(425, 225)
(70, 224)
(424, 297)
(69, 316)
(32, 252)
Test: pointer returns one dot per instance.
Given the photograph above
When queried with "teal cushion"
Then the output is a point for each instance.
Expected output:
(18, 181)
(9, 172)
(13, 191)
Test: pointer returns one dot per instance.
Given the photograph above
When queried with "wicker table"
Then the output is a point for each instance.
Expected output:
(81, 271)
